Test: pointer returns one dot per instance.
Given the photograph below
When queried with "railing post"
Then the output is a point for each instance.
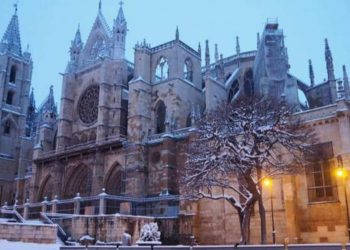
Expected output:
(44, 205)
(26, 210)
(77, 199)
(15, 205)
(5, 206)
(54, 204)
(102, 208)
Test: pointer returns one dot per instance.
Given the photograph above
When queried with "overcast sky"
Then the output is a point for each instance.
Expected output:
(48, 26)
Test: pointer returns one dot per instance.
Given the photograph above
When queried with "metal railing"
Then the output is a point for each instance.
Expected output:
(102, 204)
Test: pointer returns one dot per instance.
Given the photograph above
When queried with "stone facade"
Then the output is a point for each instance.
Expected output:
(125, 127)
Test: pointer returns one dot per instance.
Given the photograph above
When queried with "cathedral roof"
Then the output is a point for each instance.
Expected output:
(101, 19)
(11, 41)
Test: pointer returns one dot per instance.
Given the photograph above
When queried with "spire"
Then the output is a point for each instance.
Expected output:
(31, 99)
(238, 49)
(11, 41)
(119, 33)
(207, 55)
(329, 61)
(216, 53)
(311, 74)
(221, 70)
(120, 17)
(99, 5)
(76, 46)
(346, 83)
(257, 40)
(177, 34)
(30, 114)
(77, 39)
(199, 49)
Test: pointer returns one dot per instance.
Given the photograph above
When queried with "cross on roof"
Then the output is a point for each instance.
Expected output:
(15, 5)
(121, 3)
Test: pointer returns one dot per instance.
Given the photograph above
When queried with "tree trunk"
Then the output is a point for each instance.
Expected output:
(262, 212)
(244, 219)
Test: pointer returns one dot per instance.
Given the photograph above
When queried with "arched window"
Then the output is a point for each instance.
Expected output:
(7, 127)
(9, 97)
(248, 83)
(160, 117)
(162, 70)
(233, 91)
(189, 120)
(188, 70)
(98, 48)
(79, 181)
(13, 74)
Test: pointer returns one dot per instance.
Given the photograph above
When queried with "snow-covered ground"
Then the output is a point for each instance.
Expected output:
(16, 245)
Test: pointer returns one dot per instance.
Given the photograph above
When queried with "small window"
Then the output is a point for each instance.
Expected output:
(13, 74)
(7, 128)
(124, 117)
(233, 91)
(188, 70)
(162, 70)
(160, 117)
(321, 184)
(9, 97)
(189, 120)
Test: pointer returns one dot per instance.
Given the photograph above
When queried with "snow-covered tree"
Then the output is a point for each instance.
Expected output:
(238, 145)
(149, 232)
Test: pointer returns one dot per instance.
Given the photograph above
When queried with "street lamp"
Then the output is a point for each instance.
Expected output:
(267, 182)
(341, 173)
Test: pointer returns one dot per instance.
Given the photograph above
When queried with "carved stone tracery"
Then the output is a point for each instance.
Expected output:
(88, 105)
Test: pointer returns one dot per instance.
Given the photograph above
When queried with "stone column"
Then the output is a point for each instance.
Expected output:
(54, 205)
(26, 210)
(77, 199)
(44, 205)
(102, 208)
(98, 173)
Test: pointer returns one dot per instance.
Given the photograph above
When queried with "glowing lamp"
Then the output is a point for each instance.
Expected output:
(340, 172)
(267, 182)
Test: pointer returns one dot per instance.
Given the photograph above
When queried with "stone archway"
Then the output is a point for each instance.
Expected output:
(78, 181)
(114, 180)
(114, 185)
(45, 189)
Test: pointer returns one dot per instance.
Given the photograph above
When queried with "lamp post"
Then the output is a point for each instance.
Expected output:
(341, 173)
(267, 182)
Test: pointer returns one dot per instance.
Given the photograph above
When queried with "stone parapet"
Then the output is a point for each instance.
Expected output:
(28, 233)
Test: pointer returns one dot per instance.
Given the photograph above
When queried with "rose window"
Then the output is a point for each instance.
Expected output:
(88, 105)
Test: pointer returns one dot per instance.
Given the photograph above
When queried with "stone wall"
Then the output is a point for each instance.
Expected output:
(28, 233)
(105, 228)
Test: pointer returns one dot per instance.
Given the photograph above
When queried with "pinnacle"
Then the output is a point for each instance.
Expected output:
(11, 40)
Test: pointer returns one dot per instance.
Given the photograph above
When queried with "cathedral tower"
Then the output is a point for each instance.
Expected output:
(15, 77)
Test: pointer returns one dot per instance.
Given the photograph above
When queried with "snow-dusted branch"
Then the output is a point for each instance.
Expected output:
(236, 146)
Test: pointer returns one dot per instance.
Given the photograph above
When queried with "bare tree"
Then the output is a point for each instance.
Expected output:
(238, 145)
